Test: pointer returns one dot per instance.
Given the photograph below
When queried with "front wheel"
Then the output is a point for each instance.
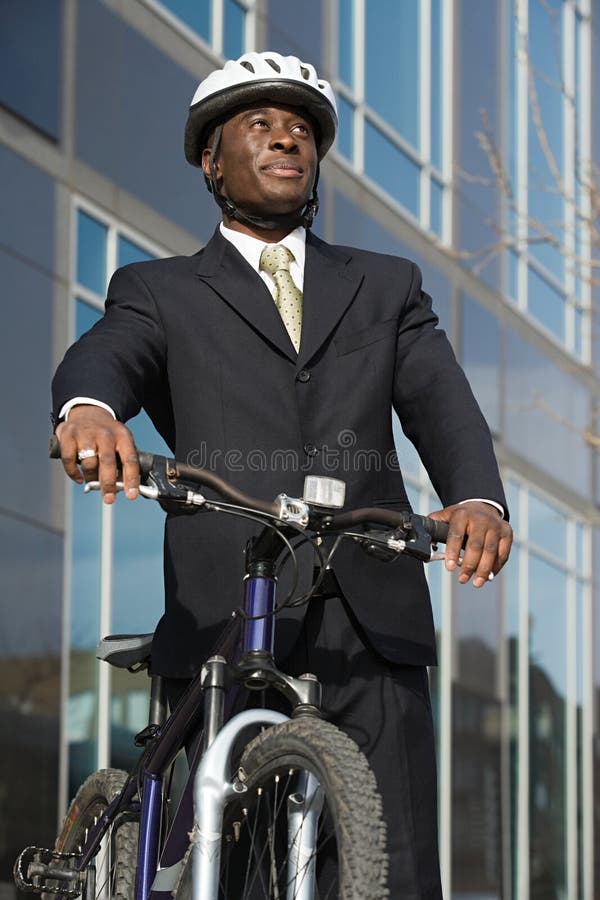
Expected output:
(307, 822)
(111, 874)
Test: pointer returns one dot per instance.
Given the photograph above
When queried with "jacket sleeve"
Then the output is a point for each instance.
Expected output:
(121, 360)
(437, 409)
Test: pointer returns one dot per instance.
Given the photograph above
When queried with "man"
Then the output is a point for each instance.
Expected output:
(270, 340)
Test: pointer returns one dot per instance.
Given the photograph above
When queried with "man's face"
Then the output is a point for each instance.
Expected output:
(267, 160)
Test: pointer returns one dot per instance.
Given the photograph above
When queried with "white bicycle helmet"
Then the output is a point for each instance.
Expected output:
(260, 76)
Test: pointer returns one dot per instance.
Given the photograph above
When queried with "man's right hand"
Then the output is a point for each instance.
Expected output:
(93, 428)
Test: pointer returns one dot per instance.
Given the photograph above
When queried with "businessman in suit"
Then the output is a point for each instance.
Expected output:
(272, 354)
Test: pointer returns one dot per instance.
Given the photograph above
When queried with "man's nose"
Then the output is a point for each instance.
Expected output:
(281, 139)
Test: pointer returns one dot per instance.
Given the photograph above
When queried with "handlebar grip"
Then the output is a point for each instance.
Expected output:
(436, 529)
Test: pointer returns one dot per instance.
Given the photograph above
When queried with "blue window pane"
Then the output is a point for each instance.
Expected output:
(579, 328)
(547, 690)
(547, 527)
(546, 304)
(137, 548)
(436, 84)
(345, 135)
(346, 41)
(85, 317)
(545, 139)
(233, 30)
(512, 498)
(435, 208)
(195, 13)
(30, 61)
(481, 357)
(579, 546)
(392, 64)
(128, 252)
(408, 457)
(387, 165)
(91, 253)
(512, 262)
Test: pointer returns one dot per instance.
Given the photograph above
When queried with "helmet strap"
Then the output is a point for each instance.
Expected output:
(304, 218)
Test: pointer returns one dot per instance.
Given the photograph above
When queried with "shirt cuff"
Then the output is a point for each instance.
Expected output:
(83, 401)
(493, 503)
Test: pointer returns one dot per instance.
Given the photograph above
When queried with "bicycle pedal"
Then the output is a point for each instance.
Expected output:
(41, 871)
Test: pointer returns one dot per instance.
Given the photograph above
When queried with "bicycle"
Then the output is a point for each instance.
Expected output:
(295, 813)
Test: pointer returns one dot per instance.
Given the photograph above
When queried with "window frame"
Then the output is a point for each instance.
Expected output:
(579, 870)
(577, 149)
(363, 114)
(215, 45)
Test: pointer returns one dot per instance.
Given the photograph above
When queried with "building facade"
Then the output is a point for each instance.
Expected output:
(469, 142)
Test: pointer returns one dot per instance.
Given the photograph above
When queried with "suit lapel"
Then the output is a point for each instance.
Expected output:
(330, 285)
(225, 270)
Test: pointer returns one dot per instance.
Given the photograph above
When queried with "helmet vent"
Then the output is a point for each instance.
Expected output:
(305, 72)
(247, 65)
(321, 85)
(274, 65)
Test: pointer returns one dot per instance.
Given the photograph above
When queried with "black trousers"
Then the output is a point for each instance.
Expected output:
(386, 710)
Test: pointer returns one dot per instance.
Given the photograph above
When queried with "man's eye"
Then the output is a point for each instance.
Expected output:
(303, 128)
(260, 122)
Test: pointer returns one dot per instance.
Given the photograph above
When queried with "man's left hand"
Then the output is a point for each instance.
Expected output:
(489, 539)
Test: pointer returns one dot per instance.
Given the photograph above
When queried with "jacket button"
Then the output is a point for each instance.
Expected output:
(311, 450)
(303, 375)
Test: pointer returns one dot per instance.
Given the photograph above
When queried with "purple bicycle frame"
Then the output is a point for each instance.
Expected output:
(258, 634)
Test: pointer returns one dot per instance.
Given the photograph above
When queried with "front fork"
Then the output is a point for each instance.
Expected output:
(213, 785)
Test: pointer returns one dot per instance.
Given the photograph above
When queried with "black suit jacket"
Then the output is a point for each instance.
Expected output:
(197, 341)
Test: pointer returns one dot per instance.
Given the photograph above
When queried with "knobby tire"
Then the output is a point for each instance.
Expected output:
(351, 860)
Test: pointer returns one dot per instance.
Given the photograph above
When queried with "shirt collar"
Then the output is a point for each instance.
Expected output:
(251, 247)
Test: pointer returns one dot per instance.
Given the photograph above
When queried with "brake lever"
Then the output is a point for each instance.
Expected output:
(149, 491)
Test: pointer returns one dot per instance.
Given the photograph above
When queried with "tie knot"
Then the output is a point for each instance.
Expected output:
(276, 257)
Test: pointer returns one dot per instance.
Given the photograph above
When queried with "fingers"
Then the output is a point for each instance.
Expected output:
(91, 444)
(486, 537)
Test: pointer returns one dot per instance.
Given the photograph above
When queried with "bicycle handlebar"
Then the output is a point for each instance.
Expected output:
(437, 530)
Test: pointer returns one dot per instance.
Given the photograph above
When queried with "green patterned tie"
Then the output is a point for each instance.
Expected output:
(275, 259)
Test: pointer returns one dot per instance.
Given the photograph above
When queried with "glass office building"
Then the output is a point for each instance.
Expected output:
(469, 142)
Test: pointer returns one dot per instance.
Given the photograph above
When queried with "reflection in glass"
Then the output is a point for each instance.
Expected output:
(196, 15)
(234, 21)
(481, 357)
(390, 167)
(345, 136)
(435, 210)
(346, 41)
(547, 690)
(511, 579)
(546, 303)
(437, 89)
(31, 61)
(392, 64)
(91, 253)
(30, 687)
(546, 204)
(407, 455)
(549, 432)
(547, 527)
(476, 795)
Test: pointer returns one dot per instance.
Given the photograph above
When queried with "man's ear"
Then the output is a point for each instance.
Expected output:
(206, 163)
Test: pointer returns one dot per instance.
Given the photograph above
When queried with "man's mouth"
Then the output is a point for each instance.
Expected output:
(283, 168)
